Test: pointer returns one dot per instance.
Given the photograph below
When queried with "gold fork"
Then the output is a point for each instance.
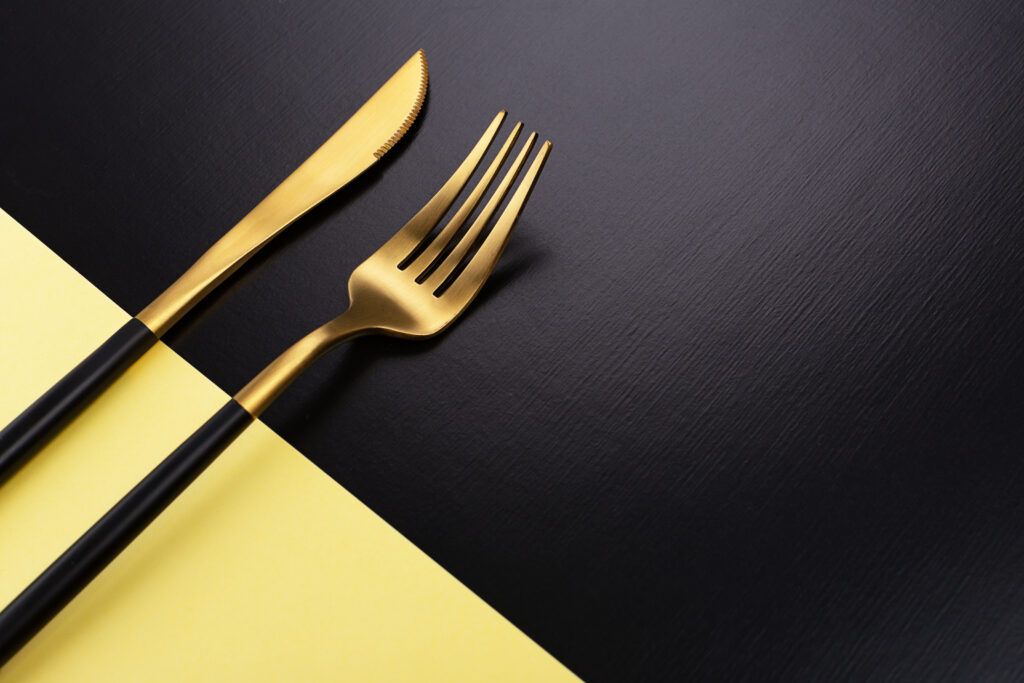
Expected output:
(416, 285)
(402, 292)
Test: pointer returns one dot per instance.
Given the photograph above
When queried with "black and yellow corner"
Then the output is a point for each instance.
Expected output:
(265, 569)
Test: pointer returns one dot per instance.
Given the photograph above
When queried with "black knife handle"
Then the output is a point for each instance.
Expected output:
(41, 421)
(72, 571)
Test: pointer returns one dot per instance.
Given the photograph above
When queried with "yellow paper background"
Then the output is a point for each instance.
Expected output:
(265, 569)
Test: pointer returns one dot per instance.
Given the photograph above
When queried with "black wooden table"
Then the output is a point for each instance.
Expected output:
(746, 397)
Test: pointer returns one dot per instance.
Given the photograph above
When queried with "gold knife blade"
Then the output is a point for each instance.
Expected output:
(357, 145)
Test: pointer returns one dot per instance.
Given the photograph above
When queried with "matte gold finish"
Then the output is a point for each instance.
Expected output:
(424, 297)
(364, 139)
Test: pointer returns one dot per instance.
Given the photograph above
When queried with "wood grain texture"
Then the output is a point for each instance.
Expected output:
(744, 398)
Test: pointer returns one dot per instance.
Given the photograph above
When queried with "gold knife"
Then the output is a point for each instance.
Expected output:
(356, 146)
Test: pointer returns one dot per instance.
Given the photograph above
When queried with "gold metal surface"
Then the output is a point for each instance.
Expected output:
(364, 139)
(390, 295)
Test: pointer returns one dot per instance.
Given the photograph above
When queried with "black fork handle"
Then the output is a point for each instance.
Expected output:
(97, 547)
(41, 421)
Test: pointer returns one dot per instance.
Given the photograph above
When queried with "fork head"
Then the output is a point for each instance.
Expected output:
(419, 282)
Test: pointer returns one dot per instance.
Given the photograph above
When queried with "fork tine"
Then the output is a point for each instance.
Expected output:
(472, 278)
(467, 241)
(430, 254)
(420, 225)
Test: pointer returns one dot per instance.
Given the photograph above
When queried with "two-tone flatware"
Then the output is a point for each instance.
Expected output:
(414, 286)
(357, 145)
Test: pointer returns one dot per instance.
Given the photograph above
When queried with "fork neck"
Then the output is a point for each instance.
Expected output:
(259, 393)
